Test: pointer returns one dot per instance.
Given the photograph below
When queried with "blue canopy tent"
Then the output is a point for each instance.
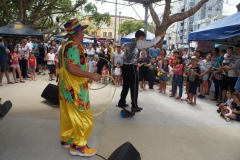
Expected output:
(130, 36)
(226, 30)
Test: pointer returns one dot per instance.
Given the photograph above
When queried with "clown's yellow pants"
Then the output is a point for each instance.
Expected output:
(75, 124)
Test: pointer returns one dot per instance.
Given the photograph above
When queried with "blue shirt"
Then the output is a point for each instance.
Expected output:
(35, 46)
(147, 61)
(219, 60)
(3, 55)
(154, 53)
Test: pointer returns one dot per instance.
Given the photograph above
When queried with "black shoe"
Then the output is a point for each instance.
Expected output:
(137, 109)
(122, 106)
(219, 110)
(28, 76)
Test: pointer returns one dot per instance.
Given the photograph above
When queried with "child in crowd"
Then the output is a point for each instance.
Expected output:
(205, 67)
(228, 57)
(235, 108)
(163, 77)
(224, 108)
(152, 70)
(177, 78)
(56, 66)
(159, 65)
(194, 74)
(217, 64)
(105, 73)
(32, 65)
(51, 64)
(15, 64)
(186, 72)
(91, 67)
(117, 73)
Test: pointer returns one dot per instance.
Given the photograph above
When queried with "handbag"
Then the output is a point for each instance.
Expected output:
(218, 76)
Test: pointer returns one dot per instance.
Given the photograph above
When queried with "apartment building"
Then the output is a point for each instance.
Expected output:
(107, 32)
(208, 11)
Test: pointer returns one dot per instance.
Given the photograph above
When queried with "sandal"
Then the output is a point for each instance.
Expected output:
(22, 81)
(10, 83)
(50, 79)
(16, 81)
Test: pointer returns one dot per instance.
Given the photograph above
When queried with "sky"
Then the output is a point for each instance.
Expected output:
(229, 8)
(124, 9)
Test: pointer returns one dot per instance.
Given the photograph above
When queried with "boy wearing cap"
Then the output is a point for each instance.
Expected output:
(76, 120)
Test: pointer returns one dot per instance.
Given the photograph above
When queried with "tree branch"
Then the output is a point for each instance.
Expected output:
(154, 16)
(181, 16)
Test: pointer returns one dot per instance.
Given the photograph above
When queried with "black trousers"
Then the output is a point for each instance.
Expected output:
(151, 80)
(130, 80)
(218, 88)
(24, 67)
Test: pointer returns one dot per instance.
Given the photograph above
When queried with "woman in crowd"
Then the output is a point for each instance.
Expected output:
(54, 46)
(205, 67)
(24, 53)
(144, 63)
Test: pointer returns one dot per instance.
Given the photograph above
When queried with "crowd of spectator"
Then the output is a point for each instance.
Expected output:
(196, 71)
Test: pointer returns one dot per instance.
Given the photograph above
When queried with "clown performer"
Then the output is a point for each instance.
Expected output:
(76, 120)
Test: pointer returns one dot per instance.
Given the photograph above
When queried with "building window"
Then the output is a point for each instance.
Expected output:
(94, 34)
(181, 24)
(109, 34)
(216, 9)
(210, 8)
(181, 37)
(104, 34)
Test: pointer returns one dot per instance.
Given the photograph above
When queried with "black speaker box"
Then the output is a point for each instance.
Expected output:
(51, 93)
(125, 152)
(5, 107)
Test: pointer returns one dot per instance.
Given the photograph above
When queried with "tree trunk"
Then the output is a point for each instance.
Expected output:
(167, 20)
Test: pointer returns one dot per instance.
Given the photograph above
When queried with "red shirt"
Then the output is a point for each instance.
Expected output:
(32, 61)
(171, 61)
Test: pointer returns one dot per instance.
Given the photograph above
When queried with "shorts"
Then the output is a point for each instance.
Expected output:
(40, 60)
(238, 117)
(163, 78)
(193, 88)
(15, 66)
(31, 68)
(144, 75)
(51, 68)
(228, 82)
(205, 77)
(4, 66)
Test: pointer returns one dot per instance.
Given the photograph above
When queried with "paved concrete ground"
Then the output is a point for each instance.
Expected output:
(166, 129)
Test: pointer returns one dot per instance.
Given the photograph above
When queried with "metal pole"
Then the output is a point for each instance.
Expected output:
(115, 25)
(146, 19)
(119, 27)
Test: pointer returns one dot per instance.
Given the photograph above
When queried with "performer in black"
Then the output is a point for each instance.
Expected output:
(129, 68)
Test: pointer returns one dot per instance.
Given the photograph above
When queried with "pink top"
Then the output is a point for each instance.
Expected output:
(178, 66)
(15, 58)
(159, 65)
(104, 71)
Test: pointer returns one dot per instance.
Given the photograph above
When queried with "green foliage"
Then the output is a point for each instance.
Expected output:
(130, 26)
(41, 14)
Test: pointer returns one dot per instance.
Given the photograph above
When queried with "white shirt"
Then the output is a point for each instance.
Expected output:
(141, 44)
(98, 49)
(229, 102)
(117, 71)
(51, 56)
(226, 55)
(91, 65)
(90, 51)
(30, 46)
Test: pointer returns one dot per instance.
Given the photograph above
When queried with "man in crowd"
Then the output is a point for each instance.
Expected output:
(3, 62)
(154, 52)
(117, 57)
(42, 64)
